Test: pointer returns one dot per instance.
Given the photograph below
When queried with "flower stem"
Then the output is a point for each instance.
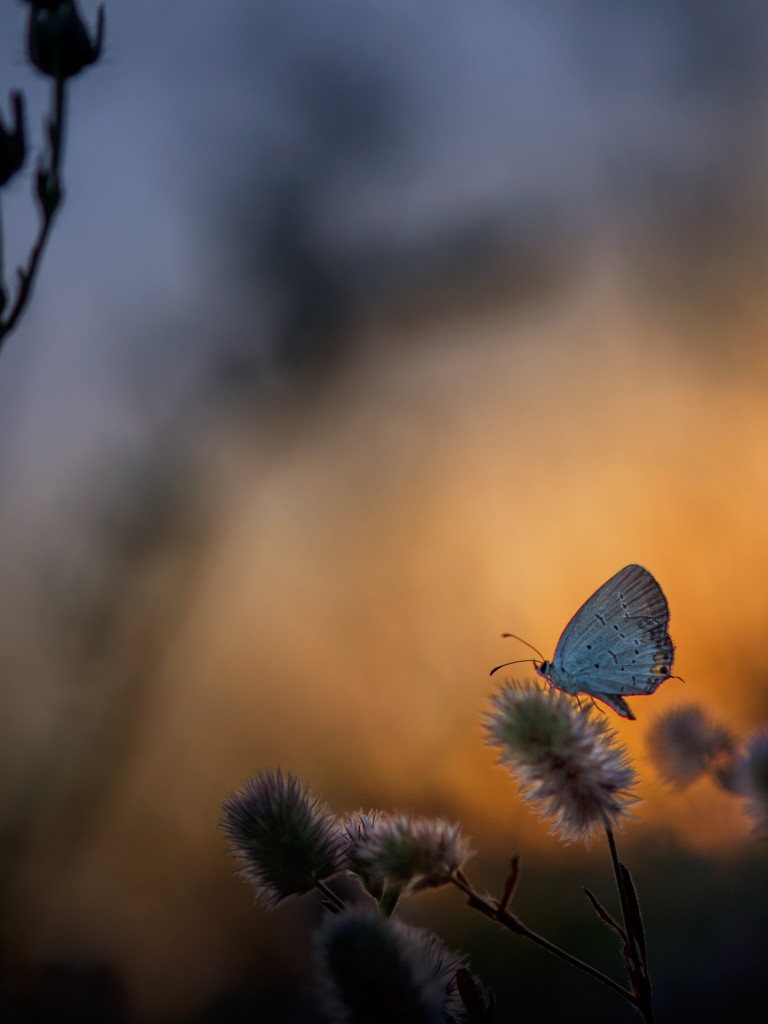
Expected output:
(2, 259)
(631, 943)
(330, 896)
(634, 958)
(496, 912)
(26, 275)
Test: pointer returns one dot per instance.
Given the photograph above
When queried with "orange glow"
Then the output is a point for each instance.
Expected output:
(478, 476)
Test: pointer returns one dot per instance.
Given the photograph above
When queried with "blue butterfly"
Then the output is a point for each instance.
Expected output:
(616, 645)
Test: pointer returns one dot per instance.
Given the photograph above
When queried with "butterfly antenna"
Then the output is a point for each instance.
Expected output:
(521, 661)
(514, 636)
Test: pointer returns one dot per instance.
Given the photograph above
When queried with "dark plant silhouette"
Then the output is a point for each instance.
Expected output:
(58, 45)
(567, 762)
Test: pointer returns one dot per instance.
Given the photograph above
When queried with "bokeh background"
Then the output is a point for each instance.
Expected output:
(368, 332)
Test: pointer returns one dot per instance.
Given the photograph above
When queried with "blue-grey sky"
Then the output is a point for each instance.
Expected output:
(484, 110)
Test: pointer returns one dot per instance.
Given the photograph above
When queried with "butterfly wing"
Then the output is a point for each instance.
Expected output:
(617, 642)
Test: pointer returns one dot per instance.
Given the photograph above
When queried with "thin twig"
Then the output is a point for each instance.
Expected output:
(26, 275)
(603, 914)
(2, 268)
(330, 896)
(496, 912)
(511, 882)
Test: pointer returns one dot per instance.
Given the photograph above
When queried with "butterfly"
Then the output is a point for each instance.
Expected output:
(616, 645)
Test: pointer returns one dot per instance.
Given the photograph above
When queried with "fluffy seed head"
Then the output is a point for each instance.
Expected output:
(685, 742)
(754, 773)
(376, 970)
(356, 831)
(409, 852)
(285, 839)
(567, 762)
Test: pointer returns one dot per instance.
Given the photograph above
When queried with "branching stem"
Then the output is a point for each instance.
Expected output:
(51, 168)
(495, 911)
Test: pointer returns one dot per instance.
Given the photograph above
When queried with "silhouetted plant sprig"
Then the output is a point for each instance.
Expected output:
(58, 45)
(568, 764)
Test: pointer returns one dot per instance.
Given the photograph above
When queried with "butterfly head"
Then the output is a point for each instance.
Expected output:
(543, 668)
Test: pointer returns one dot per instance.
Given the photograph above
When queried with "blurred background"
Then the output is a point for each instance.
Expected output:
(365, 333)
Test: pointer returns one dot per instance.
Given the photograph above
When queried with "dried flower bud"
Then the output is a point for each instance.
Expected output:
(57, 39)
(285, 838)
(407, 852)
(376, 970)
(685, 742)
(12, 143)
(566, 761)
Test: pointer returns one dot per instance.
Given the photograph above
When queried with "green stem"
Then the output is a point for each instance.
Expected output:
(388, 902)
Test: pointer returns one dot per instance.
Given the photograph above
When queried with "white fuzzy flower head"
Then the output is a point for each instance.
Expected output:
(356, 831)
(376, 970)
(286, 839)
(567, 762)
(685, 742)
(399, 849)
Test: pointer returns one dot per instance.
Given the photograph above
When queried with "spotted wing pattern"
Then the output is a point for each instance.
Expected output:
(617, 642)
